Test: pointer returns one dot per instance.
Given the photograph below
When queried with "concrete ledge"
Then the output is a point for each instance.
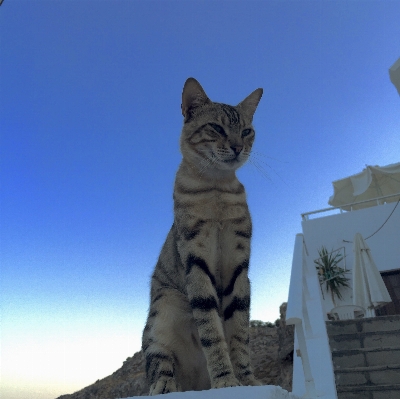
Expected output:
(263, 392)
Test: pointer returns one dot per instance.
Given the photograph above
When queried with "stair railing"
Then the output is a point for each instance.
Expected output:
(304, 311)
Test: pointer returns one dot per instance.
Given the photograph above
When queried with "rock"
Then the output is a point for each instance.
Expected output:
(285, 335)
(285, 352)
(271, 352)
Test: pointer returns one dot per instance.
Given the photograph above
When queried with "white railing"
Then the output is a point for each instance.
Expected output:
(312, 367)
(378, 200)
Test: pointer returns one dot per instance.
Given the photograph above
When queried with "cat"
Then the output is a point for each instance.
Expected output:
(197, 331)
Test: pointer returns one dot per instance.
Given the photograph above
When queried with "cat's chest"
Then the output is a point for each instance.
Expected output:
(219, 206)
(218, 201)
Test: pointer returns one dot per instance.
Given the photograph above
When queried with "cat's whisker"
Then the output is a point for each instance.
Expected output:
(260, 154)
(205, 163)
(254, 159)
(260, 169)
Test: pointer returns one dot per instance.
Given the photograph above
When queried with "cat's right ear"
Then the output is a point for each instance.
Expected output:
(249, 104)
(193, 96)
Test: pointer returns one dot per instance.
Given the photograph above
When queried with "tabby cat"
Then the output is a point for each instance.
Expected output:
(197, 332)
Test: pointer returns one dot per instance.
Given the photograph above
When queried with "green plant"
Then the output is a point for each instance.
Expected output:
(330, 273)
(259, 323)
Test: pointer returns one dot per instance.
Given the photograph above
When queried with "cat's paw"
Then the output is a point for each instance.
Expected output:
(163, 385)
(250, 381)
(226, 383)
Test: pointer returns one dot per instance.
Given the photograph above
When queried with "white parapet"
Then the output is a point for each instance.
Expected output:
(263, 392)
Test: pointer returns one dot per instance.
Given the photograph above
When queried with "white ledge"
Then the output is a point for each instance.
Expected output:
(263, 392)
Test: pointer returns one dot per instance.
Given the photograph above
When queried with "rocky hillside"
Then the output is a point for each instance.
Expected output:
(271, 355)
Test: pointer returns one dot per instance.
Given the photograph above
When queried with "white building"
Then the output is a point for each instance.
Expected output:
(310, 305)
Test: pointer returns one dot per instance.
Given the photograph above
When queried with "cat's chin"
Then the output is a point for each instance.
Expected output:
(217, 173)
(226, 165)
(230, 165)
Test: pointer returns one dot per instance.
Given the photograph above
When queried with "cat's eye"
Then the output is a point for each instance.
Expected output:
(246, 132)
(218, 128)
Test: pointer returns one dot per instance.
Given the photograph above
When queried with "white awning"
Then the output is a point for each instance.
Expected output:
(372, 182)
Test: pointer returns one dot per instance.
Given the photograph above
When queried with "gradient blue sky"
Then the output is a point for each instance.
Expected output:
(90, 121)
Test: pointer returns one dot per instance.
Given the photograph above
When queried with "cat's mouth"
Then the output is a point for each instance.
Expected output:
(231, 160)
(232, 163)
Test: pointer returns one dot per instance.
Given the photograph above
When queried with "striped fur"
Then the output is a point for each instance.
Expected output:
(196, 336)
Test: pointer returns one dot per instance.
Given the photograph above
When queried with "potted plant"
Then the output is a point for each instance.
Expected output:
(330, 273)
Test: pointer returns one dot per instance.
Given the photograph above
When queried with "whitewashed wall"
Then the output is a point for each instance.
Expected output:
(330, 231)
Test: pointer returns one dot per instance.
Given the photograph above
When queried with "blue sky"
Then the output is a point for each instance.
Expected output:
(90, 123)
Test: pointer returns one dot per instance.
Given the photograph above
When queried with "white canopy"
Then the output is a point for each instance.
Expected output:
(372, 182)
(369, 290)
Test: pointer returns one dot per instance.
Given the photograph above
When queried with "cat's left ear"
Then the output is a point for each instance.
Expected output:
(193, 96)
(249, 105)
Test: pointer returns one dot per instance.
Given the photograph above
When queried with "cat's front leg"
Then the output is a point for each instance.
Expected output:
(236, 322)
(205, 299)
(204, 302)
(236, 296)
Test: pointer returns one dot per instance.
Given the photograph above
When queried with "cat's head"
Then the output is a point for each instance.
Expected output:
(216, 137)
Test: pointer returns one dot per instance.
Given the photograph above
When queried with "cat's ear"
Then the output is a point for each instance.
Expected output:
(249, 105)
(193, 96)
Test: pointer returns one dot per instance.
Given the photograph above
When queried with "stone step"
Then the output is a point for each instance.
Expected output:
(373, 375)
(389, 391)
(372, 324)
(364, 357)
(371, 339)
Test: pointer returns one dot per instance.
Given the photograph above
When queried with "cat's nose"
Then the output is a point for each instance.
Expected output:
(236, 149)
